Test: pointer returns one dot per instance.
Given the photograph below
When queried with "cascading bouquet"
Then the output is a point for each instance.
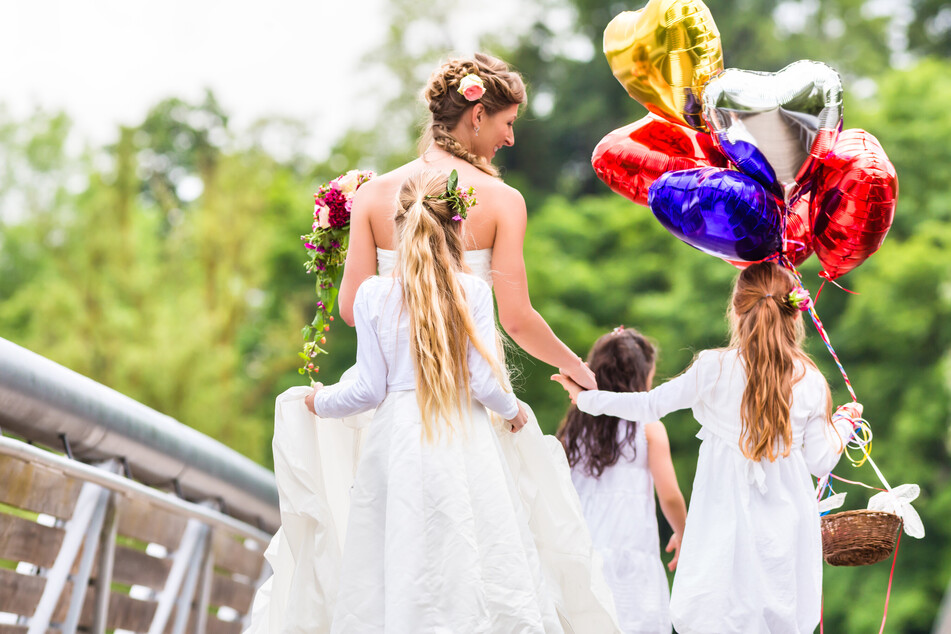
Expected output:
(326, 246)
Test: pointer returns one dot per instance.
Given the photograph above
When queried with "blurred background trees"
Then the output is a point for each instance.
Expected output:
(168, 265)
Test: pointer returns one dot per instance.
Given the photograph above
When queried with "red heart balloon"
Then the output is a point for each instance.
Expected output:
(629, 159)
(797, 236)
(797, 239)
(853, 202)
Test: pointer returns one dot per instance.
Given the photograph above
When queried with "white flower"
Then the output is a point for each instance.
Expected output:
(322, 214)
(348, 182)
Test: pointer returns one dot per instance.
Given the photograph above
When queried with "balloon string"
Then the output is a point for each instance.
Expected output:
(861, 484)
(825, 339)
(888, 593)
(822, 331)
(829, 279)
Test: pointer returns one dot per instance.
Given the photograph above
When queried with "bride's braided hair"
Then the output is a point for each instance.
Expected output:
(503, 88)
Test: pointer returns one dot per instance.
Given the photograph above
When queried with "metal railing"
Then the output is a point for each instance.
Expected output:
(83, 545)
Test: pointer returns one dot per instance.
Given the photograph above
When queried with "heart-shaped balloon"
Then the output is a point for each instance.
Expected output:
(663, 54)
(720, 212)
(853, 202)
(631, 158)
(774, 126)
(797, 235)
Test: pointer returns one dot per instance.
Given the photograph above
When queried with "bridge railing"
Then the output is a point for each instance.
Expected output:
(84, 546)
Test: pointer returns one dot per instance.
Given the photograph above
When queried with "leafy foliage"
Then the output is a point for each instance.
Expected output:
(168, 265)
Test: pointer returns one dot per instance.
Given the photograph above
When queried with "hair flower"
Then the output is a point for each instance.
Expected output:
(471, 87)
(458, 198)
(799, 299)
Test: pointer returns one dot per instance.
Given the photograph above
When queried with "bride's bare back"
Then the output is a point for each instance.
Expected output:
(375, 202)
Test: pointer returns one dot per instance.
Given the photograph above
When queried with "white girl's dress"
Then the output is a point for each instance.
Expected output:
(381, 532)
(620, 511)
(751, 556)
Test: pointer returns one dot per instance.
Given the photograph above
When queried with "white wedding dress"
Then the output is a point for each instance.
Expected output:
(522, 559)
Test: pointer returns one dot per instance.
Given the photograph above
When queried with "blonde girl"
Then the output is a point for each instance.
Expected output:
(436, 540)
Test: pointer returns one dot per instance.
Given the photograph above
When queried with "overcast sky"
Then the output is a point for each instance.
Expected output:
(105, 62)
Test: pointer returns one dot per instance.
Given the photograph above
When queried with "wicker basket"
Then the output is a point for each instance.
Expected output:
(858, 538)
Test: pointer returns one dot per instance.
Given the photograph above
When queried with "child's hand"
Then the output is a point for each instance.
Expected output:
(570, 386)
(673, 545)
(519, 420)
(852, 410)
(309, 399)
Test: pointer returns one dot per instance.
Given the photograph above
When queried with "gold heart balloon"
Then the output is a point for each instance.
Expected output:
(663, 54)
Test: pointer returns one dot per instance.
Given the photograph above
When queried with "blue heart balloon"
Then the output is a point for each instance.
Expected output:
(718, 211)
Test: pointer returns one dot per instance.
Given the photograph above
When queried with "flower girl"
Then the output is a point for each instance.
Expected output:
(616, 466)
(751, 556)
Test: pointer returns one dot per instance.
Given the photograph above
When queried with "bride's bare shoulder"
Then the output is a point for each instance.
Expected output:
(382, 189)
(496, 194)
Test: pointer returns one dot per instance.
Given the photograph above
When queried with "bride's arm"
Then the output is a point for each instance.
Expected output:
(518, 318)
(361, 255)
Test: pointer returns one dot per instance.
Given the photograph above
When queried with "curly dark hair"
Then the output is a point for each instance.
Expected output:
(622, 361)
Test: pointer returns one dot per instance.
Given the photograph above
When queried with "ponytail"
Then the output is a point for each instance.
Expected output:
(768, 332)
(430, 256)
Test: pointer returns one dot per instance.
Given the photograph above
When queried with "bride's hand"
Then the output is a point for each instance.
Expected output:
(581, 374)
(309, 399)
(570, 386)
(519, 420)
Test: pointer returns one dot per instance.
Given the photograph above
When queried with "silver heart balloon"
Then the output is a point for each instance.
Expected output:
(775, 126)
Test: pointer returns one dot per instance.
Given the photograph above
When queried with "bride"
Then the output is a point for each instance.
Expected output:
(473, 104)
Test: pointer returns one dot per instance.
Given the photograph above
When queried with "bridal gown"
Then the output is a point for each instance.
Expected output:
(382, 534)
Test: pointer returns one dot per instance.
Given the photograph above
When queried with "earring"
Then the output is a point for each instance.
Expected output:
(477, 130)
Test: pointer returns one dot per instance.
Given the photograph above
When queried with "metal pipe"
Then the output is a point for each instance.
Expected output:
(41, 401)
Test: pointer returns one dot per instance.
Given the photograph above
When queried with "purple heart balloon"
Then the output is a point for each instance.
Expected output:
(718, 211)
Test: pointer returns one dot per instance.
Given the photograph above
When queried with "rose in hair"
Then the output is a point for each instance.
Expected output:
(471, 87)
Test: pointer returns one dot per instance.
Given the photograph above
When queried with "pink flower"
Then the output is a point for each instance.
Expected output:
(799, 298)
(471, 87)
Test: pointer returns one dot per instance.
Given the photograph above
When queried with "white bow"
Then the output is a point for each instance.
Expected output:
(898, 501)
(832, 502)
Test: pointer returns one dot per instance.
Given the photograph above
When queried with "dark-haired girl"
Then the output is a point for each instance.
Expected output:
(616, 466)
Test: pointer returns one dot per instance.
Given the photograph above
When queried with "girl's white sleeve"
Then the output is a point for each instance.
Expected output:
(678, 393)
(369, 388)
(482, 380)
(823, 442)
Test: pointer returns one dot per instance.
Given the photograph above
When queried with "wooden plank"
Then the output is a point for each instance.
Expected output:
(124, 613)
(142, 521)
(25, 540)
(19, 594)
(234, 594)
(134, 567)
(217, 626)
(232, 555)
(37, 488)
(21, 629)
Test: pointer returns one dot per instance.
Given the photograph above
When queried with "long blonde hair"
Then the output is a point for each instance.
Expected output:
(429, 258)
(768, 332)
(503, 87)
